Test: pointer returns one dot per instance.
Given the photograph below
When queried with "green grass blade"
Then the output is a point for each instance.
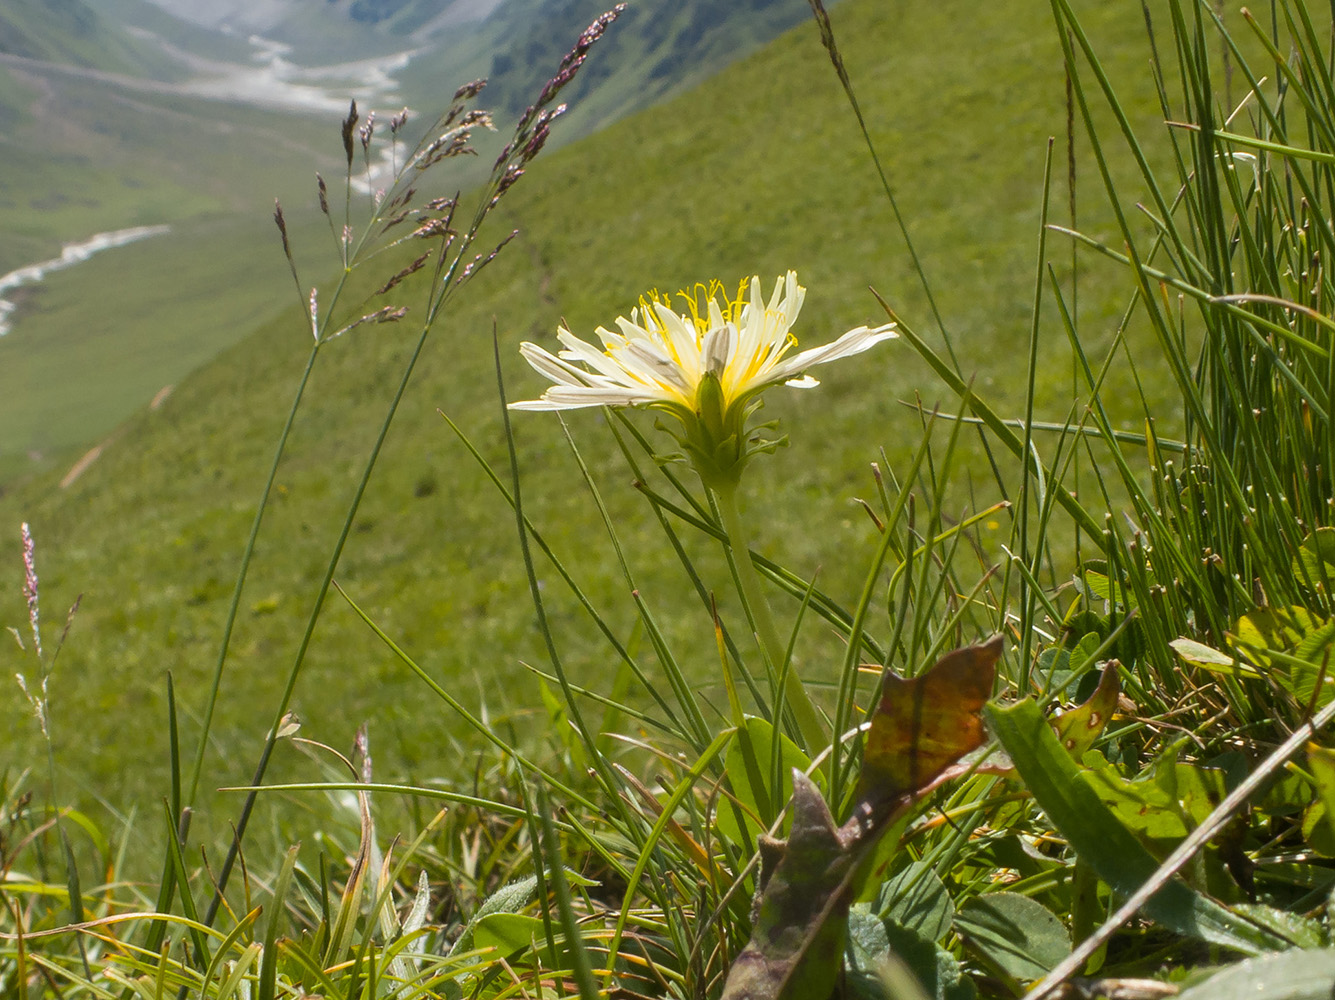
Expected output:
(277, 913)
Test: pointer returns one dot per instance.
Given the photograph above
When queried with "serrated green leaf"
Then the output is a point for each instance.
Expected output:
(1098, 837)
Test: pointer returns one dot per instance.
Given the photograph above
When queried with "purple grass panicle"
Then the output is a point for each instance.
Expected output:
(30, 586)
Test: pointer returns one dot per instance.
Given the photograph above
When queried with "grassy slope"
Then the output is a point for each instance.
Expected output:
(65, 31)
(759, 170)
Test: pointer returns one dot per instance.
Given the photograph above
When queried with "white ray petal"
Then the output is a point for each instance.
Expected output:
(718, 348)
(855, 341)
(576, 397)
(600, 361)
(654, 364)
(545, 363)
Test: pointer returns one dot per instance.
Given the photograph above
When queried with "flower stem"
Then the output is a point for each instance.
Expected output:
(791, 690)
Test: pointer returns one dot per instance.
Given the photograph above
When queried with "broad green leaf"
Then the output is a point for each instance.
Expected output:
(1013, 933)
(509, 898)
(748, 766)
(1054, 666)
(1079, 624)
(1082, 654)
(1131, 643)
(1101, 839)
(1196, 790)
(888, 982)
(1289, 975)
(867, 938)
(1294, 644)
(1203, 655)
(1315, 561)
(508, 933)
(1310, 666)
(924, 724)
(1319, 819)
(916, 899)
(1256, 634)
(1141, 806)
(1303, 931)
(1097, 584)
(1290, 794)
(1082, 725)
(934, 970)
(940, 974)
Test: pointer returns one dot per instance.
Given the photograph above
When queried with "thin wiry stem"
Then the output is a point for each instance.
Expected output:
(246, 557)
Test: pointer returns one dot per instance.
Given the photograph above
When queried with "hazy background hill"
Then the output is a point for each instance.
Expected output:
(759, 169)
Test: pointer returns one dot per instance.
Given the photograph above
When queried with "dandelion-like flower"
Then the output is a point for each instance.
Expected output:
(706, 366)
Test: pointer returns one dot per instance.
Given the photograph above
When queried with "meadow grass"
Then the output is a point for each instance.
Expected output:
(1205, 608)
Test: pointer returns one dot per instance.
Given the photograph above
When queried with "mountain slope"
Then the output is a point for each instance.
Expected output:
(658, 49)
(760, 169)
(64, 31)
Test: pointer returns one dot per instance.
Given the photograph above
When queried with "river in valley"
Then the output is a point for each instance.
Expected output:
(70, 254)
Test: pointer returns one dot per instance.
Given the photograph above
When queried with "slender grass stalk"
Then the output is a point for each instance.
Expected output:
(317, 605)
(1027, 469)
(247, 555)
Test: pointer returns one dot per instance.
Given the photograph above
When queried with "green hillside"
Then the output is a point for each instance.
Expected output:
(65, 31)
(658, 49)
(759, 170)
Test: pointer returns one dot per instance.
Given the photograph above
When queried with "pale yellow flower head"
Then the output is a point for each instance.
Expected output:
(705, 366)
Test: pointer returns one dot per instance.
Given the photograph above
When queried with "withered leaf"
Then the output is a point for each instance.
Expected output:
(802, 920)
(924, 724)
(920, 728)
